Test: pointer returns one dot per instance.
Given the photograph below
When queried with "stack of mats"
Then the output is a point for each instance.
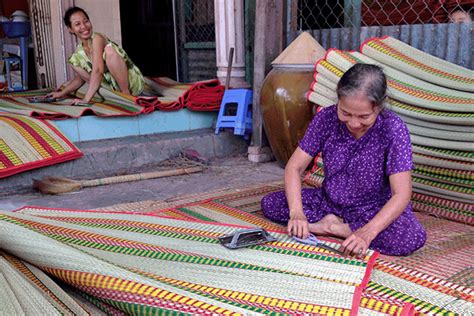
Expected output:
(149, 264)
(27, 143)
(435, 99)
(199, 96)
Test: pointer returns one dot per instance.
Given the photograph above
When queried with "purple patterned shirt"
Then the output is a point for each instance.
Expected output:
(356, 171)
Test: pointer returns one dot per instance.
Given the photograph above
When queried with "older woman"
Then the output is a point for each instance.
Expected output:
(98, 61)
(365, 197)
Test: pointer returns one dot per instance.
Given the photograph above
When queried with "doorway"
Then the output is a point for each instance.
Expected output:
(148, 36)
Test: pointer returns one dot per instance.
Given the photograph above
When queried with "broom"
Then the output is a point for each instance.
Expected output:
(57, 185)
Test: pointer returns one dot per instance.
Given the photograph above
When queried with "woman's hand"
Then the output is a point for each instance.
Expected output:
(55, 95)
(358, 242)
(78, 101)
(298, 225)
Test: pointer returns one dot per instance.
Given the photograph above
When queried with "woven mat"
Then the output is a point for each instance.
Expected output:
(146, 264)
(27, 143)
(397, 286)
(417, 63)
(444, 237)
(408, 89)
(432, 192)
(105, 103)
(232, 205)
(172, 95)
(26, 290)
(327, 75)
(167, 95)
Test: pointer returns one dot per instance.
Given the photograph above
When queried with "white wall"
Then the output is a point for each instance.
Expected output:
(105, 17)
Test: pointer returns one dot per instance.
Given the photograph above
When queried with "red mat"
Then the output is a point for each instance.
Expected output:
(199, 96)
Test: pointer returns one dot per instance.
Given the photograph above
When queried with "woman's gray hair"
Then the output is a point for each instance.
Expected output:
(366, 78)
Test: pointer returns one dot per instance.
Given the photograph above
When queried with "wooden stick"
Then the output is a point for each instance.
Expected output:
(229, 67)
(57, 185)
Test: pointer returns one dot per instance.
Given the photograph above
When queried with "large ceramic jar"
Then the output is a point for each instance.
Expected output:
(286, 111)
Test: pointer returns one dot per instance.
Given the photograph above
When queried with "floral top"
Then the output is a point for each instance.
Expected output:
(136, 82)
(357, 170)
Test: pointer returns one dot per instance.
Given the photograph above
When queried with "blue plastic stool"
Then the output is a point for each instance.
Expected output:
(236, 111)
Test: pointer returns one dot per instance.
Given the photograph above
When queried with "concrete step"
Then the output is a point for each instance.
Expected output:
(110, 157)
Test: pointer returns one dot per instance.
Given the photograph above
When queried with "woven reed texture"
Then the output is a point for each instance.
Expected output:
(153, 260)
(405, 88)
(440, 119)
(30, 292)
(105, 103)
(172, 96)
(390, 51)
(27, 143)
(429, 187)
(387, 297)
(328, 75)
(445, 237)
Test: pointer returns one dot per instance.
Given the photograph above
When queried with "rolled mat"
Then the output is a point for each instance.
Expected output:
(454, 173)
(423, 174)
(405, 88)
(454, 191)
(319, 99)
(440, 143)
(399, 55)
(446, 208)
(328, 70)
(435, 133)
(434, 200)
(199, 96)
(323, 90)
(322, 79)
(445, 117)
(441, 162)
(454, 155)
(460, 129)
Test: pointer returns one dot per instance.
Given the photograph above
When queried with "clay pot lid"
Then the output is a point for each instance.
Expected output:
(303, 50)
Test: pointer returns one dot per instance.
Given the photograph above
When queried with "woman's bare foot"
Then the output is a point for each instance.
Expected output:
(330, 225)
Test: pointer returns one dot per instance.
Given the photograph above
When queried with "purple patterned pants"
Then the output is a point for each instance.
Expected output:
(401, 238)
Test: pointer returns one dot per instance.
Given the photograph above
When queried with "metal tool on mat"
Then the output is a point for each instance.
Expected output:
(246, 237)
(88, 105)
(42, 99)
(314, 241)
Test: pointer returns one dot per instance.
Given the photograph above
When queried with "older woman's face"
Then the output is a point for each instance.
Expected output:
(80, 26)
(358, 114)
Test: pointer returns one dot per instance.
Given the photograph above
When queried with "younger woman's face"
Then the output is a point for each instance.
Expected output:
(358, 113)
(80, 26)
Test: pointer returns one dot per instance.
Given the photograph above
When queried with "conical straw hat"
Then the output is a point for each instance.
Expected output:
(303, 50)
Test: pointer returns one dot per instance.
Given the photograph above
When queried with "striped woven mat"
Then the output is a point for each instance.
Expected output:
(441, 192)
(149, 264)
(422, 279)
(406, 58)
(323, 93)
(166, 95)
(105, 103)
(405, 88)
(26, 290)
(27, 143)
